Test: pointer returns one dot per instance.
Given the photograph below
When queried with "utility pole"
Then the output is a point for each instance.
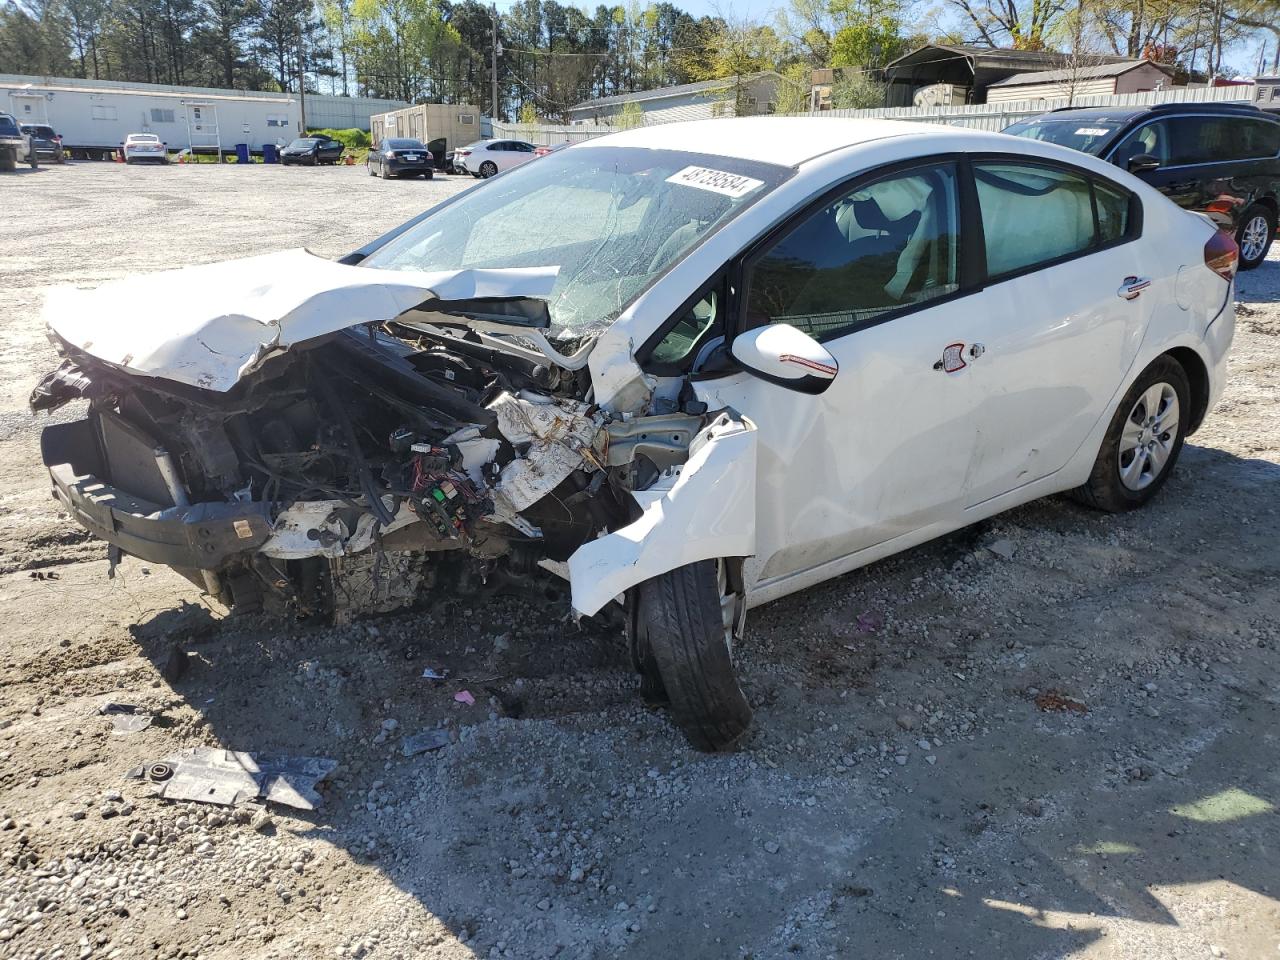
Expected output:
(302, 91)
(493, 71)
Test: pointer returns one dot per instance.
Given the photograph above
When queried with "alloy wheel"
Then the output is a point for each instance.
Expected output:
(1253, 238)
(1148, 437)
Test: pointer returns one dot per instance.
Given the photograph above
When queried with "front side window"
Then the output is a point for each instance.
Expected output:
(1032, 215)
(880, 248)
(1151, 140)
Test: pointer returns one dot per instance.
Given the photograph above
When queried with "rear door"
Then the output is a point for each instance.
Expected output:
(1069, 293)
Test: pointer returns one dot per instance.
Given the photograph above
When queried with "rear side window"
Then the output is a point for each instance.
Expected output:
(1032, 215)
(1113, 213)
(1214, 140)
(881, 248)
(1259, 139)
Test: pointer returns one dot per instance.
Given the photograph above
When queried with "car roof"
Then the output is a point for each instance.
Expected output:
(785, 141)
(1125, 114)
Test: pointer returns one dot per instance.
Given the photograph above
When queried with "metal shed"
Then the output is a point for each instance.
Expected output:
(970, 67)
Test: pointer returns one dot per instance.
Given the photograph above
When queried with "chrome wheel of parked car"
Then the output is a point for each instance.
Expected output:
(1149, 436)
(1254, 236)
(488, 169)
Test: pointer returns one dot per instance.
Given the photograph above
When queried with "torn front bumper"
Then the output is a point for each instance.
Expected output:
(200, 536)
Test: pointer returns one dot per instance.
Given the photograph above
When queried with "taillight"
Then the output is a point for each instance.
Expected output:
(1221, 255)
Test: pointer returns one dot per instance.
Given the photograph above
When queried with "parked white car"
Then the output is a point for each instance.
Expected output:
(487, 158)
(144, 146)
(693, 368)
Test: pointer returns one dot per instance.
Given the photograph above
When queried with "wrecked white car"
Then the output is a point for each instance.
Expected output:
(690, 368)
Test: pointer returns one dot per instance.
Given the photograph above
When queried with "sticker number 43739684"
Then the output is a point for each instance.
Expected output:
(717, 181)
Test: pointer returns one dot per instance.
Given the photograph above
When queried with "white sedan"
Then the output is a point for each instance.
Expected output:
(488, 158)
(692, 368)
(144, 146)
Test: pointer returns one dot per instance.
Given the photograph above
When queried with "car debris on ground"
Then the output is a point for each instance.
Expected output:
(230, 777)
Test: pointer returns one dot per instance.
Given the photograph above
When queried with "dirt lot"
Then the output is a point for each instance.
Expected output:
(1065, 747)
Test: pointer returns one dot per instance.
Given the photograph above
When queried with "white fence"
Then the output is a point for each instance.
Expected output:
(997, 116)
(988, 116)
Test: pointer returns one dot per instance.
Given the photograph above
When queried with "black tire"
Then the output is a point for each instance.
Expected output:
(488, 169)
(679, 631)
(1248, 225)
(1105, 490)
(8, 161)
(369, 166)
(33, 159)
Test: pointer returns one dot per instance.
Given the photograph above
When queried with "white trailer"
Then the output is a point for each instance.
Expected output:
(94, 116)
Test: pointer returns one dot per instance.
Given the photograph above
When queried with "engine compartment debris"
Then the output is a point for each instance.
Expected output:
(354, 473)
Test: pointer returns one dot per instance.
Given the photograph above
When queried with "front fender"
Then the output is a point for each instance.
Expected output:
(703, 509)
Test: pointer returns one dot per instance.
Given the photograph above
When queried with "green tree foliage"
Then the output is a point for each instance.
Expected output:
(631, 116)
(555, 54)
(856, 91)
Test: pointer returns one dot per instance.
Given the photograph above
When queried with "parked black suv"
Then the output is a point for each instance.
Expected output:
(1222, 159)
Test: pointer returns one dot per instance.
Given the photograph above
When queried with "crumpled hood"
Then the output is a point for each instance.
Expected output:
(209, 326)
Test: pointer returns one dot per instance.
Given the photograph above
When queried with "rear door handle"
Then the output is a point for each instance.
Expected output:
(1132, 287)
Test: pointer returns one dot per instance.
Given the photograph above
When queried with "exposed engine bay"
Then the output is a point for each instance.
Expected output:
(349, 475)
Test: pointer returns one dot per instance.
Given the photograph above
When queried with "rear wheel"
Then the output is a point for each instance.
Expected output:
(685, 624)
(1143, 442)
(1257, 229)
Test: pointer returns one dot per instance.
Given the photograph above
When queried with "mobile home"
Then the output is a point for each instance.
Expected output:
(94, 116)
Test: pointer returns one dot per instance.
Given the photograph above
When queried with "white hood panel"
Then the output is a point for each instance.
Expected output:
(208, 326)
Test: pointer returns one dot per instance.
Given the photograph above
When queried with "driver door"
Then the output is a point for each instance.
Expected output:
(875, 274)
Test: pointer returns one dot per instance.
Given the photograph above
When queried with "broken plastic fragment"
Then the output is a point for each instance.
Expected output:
(422, 742)
(125, 717)
(431, 673)
(464, 696)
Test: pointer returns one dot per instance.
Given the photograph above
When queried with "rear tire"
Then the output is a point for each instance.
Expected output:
(1257, 230)
(1142, 443)
(681, 636)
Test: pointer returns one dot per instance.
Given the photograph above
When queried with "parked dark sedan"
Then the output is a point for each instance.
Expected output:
(47, 144)
(400, 157)
(1222, 159)
(312, 151)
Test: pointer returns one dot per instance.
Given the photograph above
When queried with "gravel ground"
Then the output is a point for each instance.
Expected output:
(1050, 735)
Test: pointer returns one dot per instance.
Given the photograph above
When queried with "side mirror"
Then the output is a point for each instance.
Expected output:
(781, 354)
(1143, 163)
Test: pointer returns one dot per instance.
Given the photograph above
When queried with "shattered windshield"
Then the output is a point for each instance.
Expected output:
(611, 218)
(1087, 136)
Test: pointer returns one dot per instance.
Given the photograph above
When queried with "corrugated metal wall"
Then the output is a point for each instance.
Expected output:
(997, 116)
(989, 116)
(342, 113)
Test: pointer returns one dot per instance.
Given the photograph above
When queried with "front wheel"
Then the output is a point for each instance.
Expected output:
(1257, 229)
(488, 169)
(685, 622)
(1143, 441)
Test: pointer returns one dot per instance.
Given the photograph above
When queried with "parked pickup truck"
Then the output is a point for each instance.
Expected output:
(14, 145)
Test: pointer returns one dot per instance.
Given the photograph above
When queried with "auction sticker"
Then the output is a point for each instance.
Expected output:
(1092, 132)
(717, 181)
